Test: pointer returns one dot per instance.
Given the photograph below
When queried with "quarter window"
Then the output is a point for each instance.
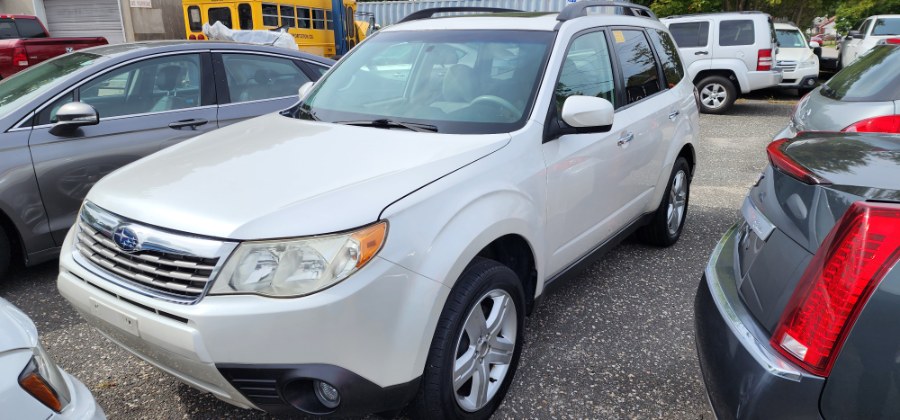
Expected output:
(736, 32)
(587, 70)
(270, 14)
(303, 18)
(690, 34)
(258, 77)
(287, 17)
(668, 53)
(639, 67)
(220, 14)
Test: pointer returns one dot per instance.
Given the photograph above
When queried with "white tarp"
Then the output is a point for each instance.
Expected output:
(219, 32)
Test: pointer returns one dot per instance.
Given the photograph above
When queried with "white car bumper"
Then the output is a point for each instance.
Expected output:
(801, 77)
(369, 332)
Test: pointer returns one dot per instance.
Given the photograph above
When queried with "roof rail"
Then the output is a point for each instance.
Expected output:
(579, 9)
(427, 13)
(746, 12)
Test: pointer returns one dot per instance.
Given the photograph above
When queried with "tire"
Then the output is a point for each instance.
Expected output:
(663, 231)
(5, 252)
(483, 286)
(717, 94)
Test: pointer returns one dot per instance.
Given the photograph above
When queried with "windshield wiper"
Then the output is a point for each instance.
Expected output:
(386, 123)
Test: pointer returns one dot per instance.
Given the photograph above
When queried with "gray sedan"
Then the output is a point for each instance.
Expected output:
(69, 121)
(796, 314)
(863, 97)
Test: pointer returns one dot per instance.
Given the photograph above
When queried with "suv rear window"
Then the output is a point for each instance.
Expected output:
(690, 34)
(886, 27)
(30, 28)
(736, 32)
(871, 78)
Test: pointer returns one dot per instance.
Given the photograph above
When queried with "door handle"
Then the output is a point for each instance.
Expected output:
(192, 123)
(673, 115)
(701, 53)
(625, 138)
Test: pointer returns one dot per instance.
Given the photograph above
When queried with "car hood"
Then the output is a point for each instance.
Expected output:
(17, 331)
(793, 54)
(274, 177)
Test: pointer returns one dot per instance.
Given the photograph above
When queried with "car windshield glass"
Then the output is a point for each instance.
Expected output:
(789, 38)
(885, 27)
(22, 87)
(872, 77)
(475, 82)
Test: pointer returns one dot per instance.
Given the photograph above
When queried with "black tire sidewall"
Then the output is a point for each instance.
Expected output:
(730, 91)
(5, 252)
(680, 165)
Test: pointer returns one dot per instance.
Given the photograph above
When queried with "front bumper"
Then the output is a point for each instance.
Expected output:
(761, 80)
(745, 377)
(795, 80)
(374, 328)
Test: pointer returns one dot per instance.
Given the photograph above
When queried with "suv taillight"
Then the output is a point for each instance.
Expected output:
(789, 166)
(882, 124)
(861, 248)
(19, 57)
(764, 60)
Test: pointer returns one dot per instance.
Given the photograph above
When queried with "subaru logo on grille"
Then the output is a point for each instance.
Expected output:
(126, 239)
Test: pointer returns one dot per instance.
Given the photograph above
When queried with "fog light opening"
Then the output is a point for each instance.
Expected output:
(327, 394)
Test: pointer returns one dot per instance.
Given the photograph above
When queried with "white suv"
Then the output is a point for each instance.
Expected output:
(380, 242)
(796, 59)
(726, 53)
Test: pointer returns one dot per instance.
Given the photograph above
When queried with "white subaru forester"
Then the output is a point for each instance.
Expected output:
(380, 243)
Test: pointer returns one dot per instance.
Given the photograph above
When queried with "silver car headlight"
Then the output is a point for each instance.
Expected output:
(298, 267)
(43, 380)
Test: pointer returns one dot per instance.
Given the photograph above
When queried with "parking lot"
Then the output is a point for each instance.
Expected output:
(615, 342)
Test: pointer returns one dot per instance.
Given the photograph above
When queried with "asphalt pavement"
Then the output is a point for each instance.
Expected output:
(614, 342)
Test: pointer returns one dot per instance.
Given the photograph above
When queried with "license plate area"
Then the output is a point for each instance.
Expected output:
(114, 317)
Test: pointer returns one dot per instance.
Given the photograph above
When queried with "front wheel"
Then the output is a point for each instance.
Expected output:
(668, 220)
(476, 345)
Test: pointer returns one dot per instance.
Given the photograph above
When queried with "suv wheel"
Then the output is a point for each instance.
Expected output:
(668, 221)
(717, 94)
(476, 345)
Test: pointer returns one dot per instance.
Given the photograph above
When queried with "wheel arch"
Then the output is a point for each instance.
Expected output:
(688, 153)
(727, 73)
(16, 248)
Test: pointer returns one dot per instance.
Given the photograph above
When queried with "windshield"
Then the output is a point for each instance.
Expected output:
(474, 82)
(890, 26)
(790, 38)
(22, 87)
(871, 78)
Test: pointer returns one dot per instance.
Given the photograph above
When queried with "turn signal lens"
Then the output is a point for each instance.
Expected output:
(370, 240)
(882, 124)
(764, 61)
(789, 166)
(33, 381)
(849, 265)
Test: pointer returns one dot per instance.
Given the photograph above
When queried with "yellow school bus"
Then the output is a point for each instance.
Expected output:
(311, 22)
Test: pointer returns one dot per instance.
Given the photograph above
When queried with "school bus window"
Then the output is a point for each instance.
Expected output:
(245, 16)
(194, 19)
(270, 14)
(328, 24)
(220, 14)
(303, 18)
(318, 19)
(287, 16)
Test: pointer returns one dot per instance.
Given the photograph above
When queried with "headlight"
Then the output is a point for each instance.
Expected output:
(43, 380)
(297, 267)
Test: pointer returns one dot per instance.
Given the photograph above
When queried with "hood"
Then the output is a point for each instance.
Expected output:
(274, 177)
(17, 331)
(793, 54)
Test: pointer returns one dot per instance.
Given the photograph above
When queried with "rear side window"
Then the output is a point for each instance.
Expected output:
(8, 29)
(30, 28)
(882, 27)
(690, 34)
(736, 32)
(639, 67)
(220, 14)
(668, 53)
(871, 78)
(194, 19)
(259, 77)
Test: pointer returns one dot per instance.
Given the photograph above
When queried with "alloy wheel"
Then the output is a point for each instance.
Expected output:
(677, 202)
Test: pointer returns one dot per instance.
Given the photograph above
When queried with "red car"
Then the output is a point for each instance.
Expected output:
(24, 42)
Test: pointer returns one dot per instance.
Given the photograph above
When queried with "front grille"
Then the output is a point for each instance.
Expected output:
(182, 278)
(786, 65)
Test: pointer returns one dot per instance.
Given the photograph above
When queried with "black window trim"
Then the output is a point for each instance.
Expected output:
(621, 77)
(223, 97)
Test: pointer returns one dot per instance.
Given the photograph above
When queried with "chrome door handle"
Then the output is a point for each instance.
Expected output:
(673, 115)
(625, 138)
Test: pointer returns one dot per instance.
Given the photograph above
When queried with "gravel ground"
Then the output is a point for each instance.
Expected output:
(614, 342)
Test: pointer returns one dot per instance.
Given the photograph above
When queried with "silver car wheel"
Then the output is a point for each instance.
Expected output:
(713, 95)
(677, 202)
(485, 350)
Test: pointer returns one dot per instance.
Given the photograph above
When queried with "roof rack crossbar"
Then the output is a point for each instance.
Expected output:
(580, 9)
(427, 13)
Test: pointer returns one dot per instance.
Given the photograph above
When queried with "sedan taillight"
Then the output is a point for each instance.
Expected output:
(786, 164)
(861, 248)
(882, 124)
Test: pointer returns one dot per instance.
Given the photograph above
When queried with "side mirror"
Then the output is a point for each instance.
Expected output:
(588, 114)
(855, 34)
(814, 44)
(304, 89)
(73, 115)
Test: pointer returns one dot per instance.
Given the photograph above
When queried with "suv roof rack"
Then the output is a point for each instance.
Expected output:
(427, 13)
(746, 12)
(579, 9)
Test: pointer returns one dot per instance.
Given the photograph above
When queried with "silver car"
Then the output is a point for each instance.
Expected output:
(863, 97)
(69, 121)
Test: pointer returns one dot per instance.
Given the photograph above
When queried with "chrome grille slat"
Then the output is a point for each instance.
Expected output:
(179, 276)
(786, 65)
